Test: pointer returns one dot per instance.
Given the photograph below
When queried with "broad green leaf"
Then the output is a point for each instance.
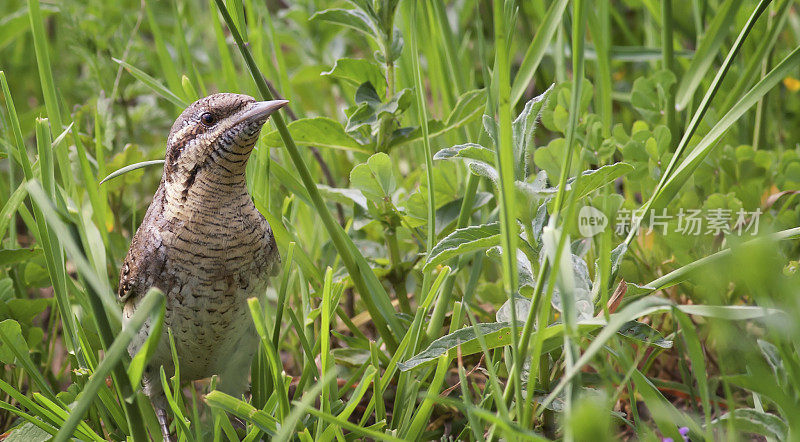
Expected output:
(462, 241)
(526, 281)
(592, 180)
(13, 256)
(469, 106)
(318, 132)
(370, 109)
(642, 332)
(12, 344)
(478, 159)
(467, 151)
(375, 178)
(358, 71)
(549, 157)
(350, 18)
(24, 310)
(523, 128)
(344, 195)
(649, 94)
(522, 308)
(28, 432)
(578, 273)
(773, 357)
(750, 420)
(496, 334)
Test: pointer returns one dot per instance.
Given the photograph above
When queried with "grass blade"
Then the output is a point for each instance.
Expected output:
(152, 302)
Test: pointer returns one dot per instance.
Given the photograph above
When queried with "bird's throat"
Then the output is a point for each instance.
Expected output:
(204, 194)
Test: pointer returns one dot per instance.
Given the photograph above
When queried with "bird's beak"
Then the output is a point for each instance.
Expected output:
(260, 110)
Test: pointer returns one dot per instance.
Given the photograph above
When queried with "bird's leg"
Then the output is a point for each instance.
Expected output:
(161, 415)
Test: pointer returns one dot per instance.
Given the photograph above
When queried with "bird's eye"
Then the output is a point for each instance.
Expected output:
(207, 119)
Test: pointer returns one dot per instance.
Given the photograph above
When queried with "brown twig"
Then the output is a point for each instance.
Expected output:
(445, 393)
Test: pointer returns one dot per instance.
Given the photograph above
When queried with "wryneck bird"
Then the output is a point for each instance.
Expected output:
(203, 243)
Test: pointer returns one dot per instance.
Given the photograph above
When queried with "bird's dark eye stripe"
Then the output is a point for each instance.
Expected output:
(208, 119)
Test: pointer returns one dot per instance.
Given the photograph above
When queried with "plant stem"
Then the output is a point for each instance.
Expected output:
(387, 120)
(439, 311)
(668, 63)
(397, 275)
(504, 157)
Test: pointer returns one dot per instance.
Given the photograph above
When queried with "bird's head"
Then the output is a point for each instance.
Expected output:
(215, 135)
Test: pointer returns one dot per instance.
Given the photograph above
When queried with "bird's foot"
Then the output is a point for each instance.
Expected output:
(161, 414)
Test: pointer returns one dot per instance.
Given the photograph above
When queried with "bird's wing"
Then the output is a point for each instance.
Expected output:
(143, 267)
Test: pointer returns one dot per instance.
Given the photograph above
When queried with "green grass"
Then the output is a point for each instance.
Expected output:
(426, 188)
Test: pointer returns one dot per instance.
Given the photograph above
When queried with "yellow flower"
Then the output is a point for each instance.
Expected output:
(792, 84)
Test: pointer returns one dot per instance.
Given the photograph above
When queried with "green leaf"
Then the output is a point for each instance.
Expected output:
(750, 420)
(592, 180)
(649, 94)
(522, 308)
(344, 195)
(24, 310)
(536, 50)
(496, 334)
(10, 208)
(666, 416)
(318, 132)
(16, 23)
(350, 18)
(523, 127)
(462, 241)
(153, 300)
(28, 432)
(13, 256)
(706, 52)
(469, 106)
(578, 278)
(264, 421)
(639, 331)
(153, 84)
(370, 108)
(478, 159)
(526, 281)
(375, 178)
(12, 344)
(773, 358)
(142, 357)
(681, 174)
(358, 71)
(467, 151)
(549, 157)
(130, 168)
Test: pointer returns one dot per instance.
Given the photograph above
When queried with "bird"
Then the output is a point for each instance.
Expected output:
(203, 243)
